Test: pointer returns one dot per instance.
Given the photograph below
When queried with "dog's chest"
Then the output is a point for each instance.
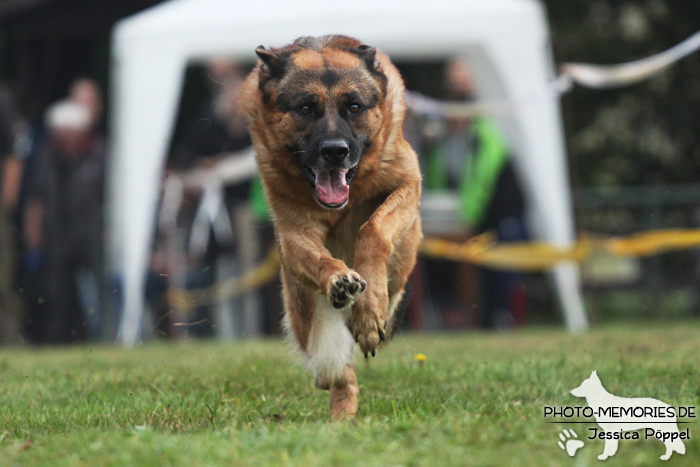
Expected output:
(342, 237)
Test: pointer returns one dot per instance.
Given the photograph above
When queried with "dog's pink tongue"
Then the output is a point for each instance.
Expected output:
(331, 186)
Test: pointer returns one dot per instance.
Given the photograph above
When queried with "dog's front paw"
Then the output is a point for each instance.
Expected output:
(369, 331)
(345, 287)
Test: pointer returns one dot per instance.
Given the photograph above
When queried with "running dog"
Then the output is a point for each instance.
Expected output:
(326, 115)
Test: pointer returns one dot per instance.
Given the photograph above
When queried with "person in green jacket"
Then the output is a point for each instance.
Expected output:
(472, 158)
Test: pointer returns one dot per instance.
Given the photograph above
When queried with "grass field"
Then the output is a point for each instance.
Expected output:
(477, 400)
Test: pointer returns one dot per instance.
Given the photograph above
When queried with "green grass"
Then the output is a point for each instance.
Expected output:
(478, 400)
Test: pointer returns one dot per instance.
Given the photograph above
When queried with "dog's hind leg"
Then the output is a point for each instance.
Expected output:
(671, 446)
(344, 394)
(320, 333)
(678, 446)
(330, 351)
(669, 450)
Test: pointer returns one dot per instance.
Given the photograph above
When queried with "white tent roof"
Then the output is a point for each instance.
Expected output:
(507, 42)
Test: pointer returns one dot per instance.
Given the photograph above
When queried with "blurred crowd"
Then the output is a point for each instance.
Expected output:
(53, 287)
(51, 219)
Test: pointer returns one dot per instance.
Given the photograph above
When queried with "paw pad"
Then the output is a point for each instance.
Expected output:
(346, 288)
(568, 442)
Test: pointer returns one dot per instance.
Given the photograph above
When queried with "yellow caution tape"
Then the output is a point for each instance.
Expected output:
(483, 250)
(520, 256)
(538, 256)
(261, 275)
(654, 242)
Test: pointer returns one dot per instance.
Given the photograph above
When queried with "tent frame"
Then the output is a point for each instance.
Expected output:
(506, 41)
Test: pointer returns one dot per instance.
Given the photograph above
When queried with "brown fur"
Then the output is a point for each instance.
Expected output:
(376, 235)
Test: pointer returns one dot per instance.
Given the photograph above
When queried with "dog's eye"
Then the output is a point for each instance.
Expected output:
(305, 109)
(354, 108)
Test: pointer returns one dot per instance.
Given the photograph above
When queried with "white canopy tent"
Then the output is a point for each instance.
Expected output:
(507, 42)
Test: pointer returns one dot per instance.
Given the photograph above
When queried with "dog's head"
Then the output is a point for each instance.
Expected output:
(590, 386)
(317, 104)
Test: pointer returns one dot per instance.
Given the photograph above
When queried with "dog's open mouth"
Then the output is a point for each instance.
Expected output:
(332, 187)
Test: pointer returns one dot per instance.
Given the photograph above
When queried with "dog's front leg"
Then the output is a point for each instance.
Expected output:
(610, 449)
(374, 247)
(320, 331)
(303, 253)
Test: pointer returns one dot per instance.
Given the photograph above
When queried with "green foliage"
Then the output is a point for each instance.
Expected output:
(477, 400)
(646, 133)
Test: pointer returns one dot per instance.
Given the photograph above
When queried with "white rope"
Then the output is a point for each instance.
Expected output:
(427, 106)
(233, 168)
(611, 76)
(592, 76)
(423, 105)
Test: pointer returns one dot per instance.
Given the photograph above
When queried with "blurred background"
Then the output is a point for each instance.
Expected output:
(630, 163)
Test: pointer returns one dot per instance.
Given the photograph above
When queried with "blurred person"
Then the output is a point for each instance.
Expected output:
(87, 92)
(29, 137)
(216, 132)
(471, 157)
(63, 223)
(11, 319)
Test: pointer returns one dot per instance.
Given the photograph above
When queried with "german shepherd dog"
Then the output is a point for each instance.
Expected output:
(325, 115)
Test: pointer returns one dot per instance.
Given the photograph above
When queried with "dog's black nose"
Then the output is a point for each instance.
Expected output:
(335, 150)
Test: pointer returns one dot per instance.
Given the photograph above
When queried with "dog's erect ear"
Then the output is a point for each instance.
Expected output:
(273, 62)
(594, 374)
(368, 54)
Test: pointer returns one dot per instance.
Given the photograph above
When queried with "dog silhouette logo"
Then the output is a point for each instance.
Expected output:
(618, 415)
